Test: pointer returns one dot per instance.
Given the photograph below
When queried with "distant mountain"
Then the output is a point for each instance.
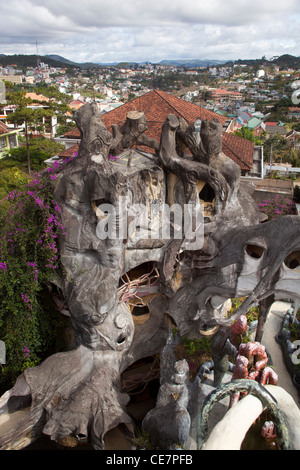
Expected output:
(287, 60)
(55, 60)
(22, 60)
(283, 61)
(192, 62)
(61, 59)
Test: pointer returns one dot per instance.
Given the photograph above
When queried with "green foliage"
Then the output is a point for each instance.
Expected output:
(40, 150)
(29, 260)
(295, 331)
(168, 81)
(50, 91)
(65, 127)
(142, 441)
(294, 158)
(251, 315)
(11, 178)
(276, 148)
(297, 194)
(25, 61)
(197, 345)
(248, 134)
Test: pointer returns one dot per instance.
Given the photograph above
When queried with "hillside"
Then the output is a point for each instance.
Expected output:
(61, 59)
(283, 61)
(54, 60)
(287, 60)
(22, 60)
(191, 62)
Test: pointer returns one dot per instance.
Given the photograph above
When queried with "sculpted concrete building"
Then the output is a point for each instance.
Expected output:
(127, 290)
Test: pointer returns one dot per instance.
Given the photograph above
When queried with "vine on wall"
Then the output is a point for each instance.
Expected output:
(29, 261)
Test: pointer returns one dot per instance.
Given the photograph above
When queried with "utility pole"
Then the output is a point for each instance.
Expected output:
(37, 56)
(270, 162)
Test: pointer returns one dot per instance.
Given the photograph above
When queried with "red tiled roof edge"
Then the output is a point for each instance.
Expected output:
(239, 150)
(170, 99)
(3, 128)
(236, 148)
(177, 104)
(69, 152)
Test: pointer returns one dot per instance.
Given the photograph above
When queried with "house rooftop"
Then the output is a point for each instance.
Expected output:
(239, 150)
(254, 122)
(76, 104)
(281, 130)
(157, 104)
(36, 98)
(3, 128)
(222, 91)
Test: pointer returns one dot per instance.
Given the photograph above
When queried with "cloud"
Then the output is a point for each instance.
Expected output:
(103, 31)
(105, 13)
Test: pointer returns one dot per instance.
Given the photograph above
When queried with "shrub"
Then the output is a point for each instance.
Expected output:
(297, 194)
(29, 259)
(277, 207)
(10, 179)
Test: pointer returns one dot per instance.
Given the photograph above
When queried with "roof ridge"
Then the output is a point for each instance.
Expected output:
(201, 110)
(167, 101)
(224, 143)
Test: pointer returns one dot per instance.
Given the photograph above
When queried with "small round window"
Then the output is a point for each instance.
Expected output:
(293, 260)
(255, 251)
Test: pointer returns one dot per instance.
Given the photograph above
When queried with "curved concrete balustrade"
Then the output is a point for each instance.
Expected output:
(230, 432)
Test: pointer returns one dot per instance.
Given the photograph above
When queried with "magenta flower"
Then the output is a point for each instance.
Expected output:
(113, 158)
(26, 300)
(26, 351)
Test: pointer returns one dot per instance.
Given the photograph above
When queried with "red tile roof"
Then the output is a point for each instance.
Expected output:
(73, 134)
(156, 106)
(3, 128)
(239, 150)
(36, 98)
(221, 91)
(69, 152)
(76, 104)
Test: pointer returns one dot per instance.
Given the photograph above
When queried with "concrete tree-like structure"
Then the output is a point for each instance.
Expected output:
(171, 278)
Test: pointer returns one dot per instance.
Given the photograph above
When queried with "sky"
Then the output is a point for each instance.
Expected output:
(104, 31)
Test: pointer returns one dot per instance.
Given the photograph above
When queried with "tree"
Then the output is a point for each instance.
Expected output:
(22, 114)
(248, 134)
(294, 158)
(40, 149)
(26, 116)
(280, 110)
(276, 148)
(131, 96)
(206, 95)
